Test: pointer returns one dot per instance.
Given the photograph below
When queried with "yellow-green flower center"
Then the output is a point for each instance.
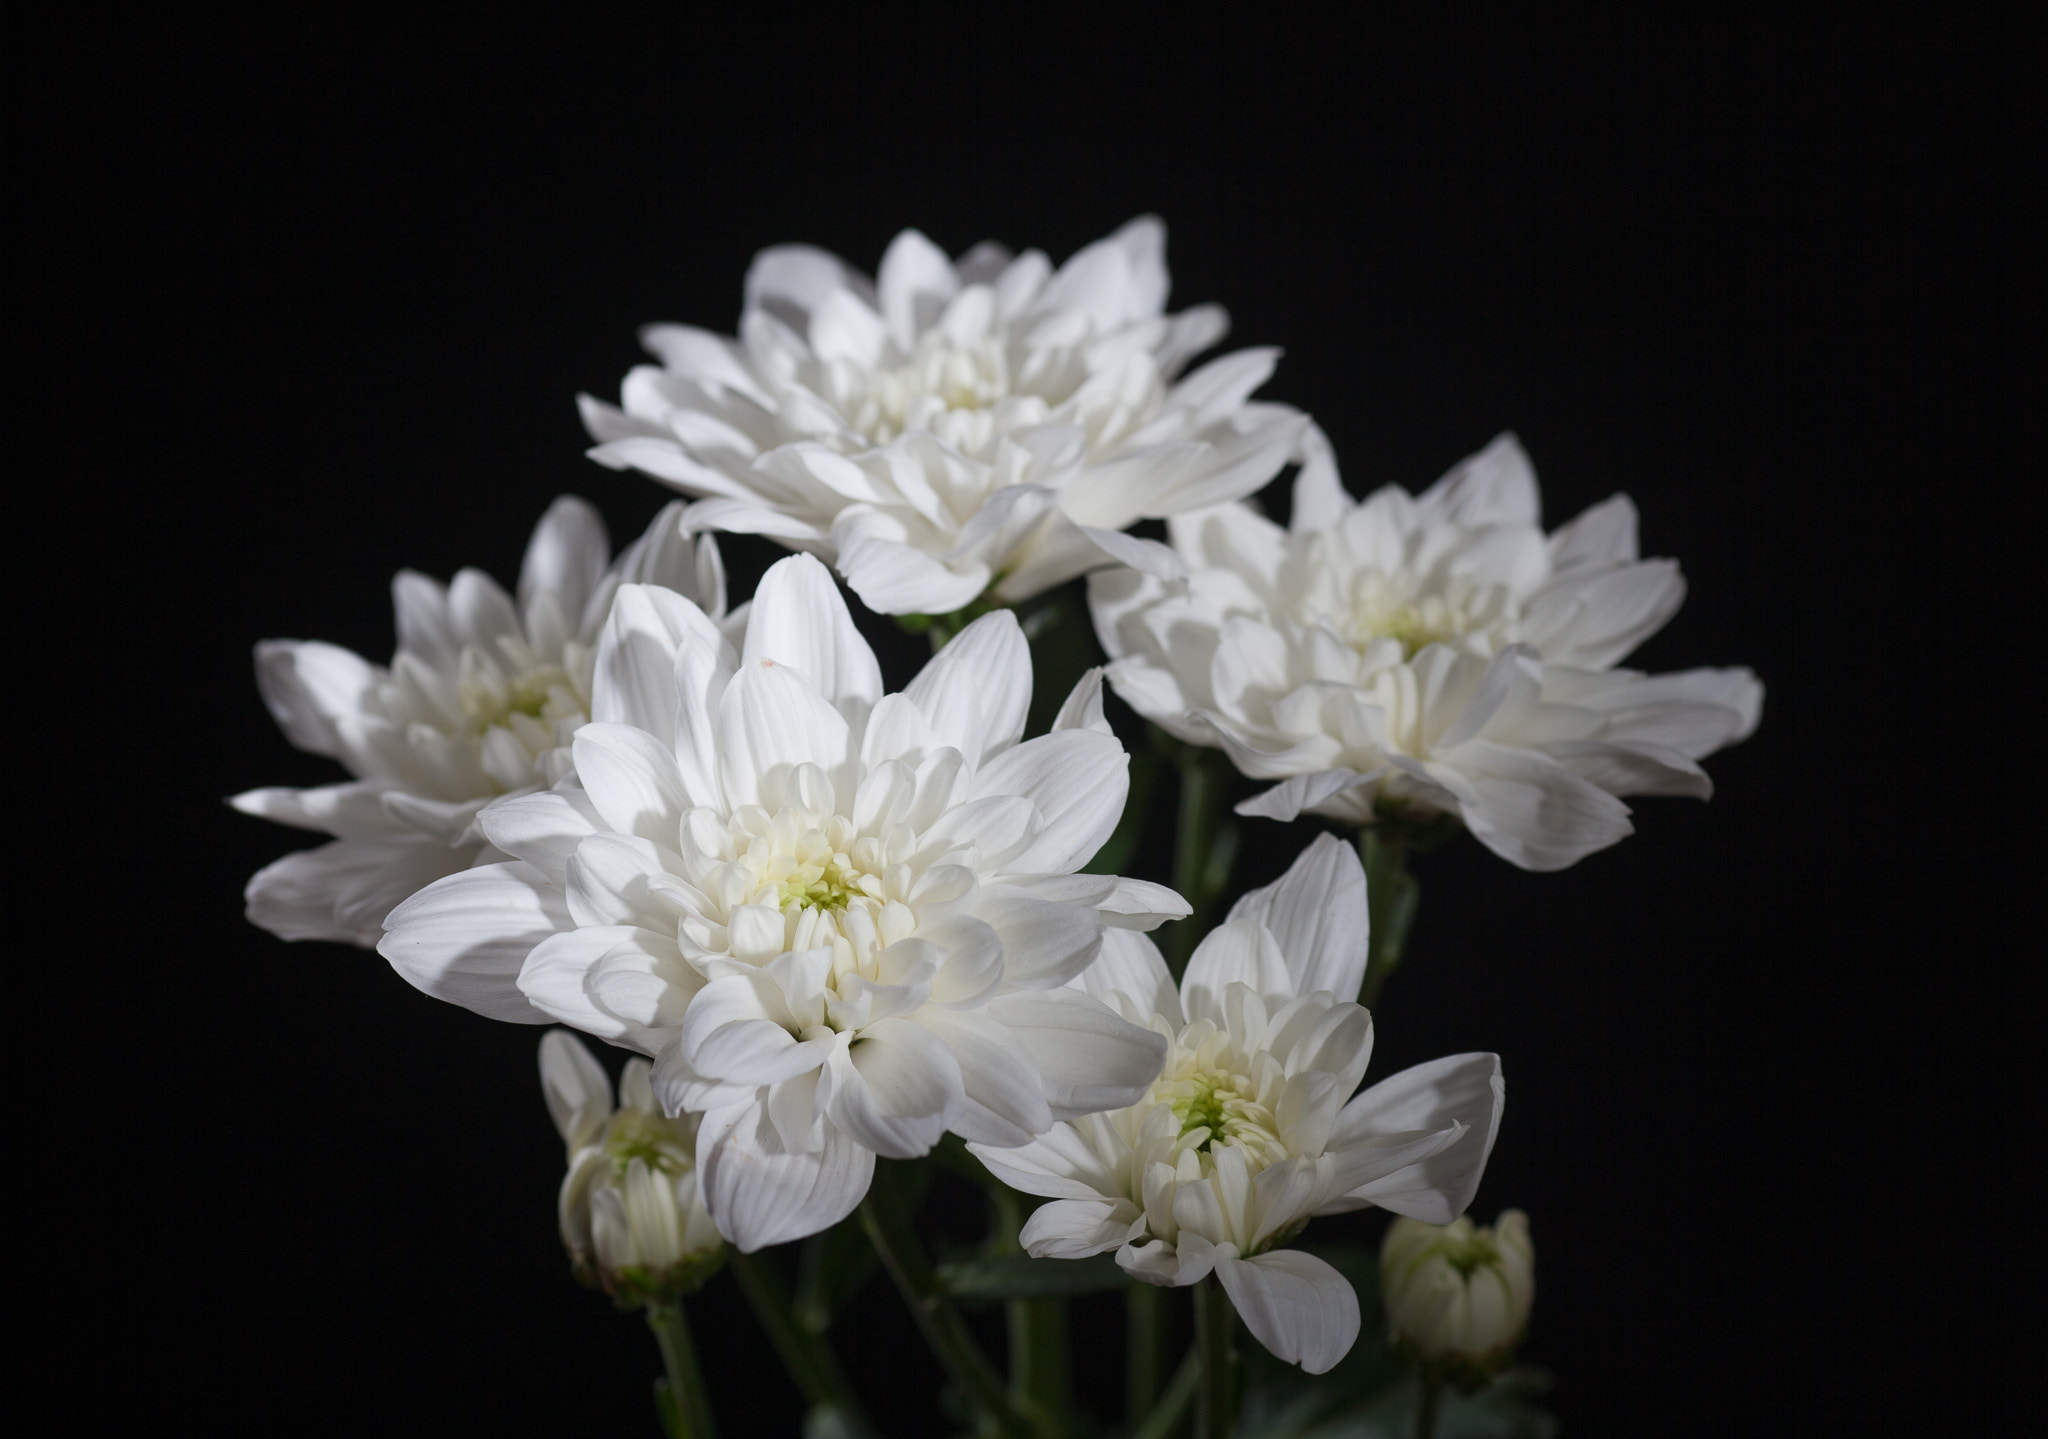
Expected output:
(647, 1137)
(817, 886)
(1220, 1102)
(1469, 1253)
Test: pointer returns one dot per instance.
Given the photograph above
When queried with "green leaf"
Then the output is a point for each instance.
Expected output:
(1018, 1277)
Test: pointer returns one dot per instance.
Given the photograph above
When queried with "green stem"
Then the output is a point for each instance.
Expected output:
(1391, 895)
(1213, 1321)
(1204, 845)
(1173, 1405)
(1426, 1402)
(888, 1225)
(1037, 1327)
(1144, 1347)
(692, 1407)
(809, 1359)
(1039, 1383)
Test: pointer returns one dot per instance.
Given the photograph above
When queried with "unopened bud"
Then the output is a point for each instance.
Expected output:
(632, 1212)
(1458, 1295)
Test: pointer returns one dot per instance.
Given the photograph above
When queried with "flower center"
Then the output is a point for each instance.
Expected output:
(1219, 1106)
(939, 378)
(497, 690)
(1383, 610)
(817, 886)
(647, 1137)
(1469, 1253)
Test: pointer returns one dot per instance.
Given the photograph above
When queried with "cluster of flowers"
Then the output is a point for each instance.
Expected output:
(840, 923)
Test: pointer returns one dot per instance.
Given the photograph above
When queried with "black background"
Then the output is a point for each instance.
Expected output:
(301, 303)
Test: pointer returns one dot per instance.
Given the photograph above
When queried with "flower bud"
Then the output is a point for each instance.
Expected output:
(632, 1212)
(1458, 1295)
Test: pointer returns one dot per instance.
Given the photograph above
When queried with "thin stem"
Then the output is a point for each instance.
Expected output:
(1144, 1348)
(808, 1358)
(1038, 1361)
(1214, 1319)
(692, 1409)
(1426, 1404)
(1391, 896)
(1173, 1405)
(1204, 845)
(888, 1225)
(1039, 1379)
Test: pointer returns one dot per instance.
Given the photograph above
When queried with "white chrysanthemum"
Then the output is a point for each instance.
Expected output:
(1426, 655)
(632, 1211)
(842, 921)
(953, 428)
(479, 702)
(1247, 1132)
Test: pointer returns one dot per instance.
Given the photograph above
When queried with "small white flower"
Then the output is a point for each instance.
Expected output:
(840, 920)
(1459, 1294)
(1427, 655)
(951, 428)
(1247, 1133)
(632, 1212)
(479, 702)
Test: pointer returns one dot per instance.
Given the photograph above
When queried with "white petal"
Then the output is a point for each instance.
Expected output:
(914, 282)
(1002, 1101)
(1088, 1058)
(1130, 965)
(635, 676)
(578, 1092)
(760, 1193)
(464, 938)
(1532, 811)
(566, 555)
(975, 691)
(632, 780)
(1078, 781)
(1460, 1088)
(343, 891)
(564, 974)
(1077, 1228)
(542, 829)
(1044, 943)
(308, 685)
(772, 720)
(799, 619)
(1318, 915)
(1296, 1305)
(894, 1087)
(1241, 951)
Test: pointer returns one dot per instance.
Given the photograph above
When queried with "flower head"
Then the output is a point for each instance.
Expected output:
(480, 701)
(632, 1210)
(951, 428)
(1459, 1294)
(841, 921)
(1251, 1128)
(1427, 655)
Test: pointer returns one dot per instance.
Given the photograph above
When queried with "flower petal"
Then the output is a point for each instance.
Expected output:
(1460, 1088)
(1088, 1059)
(760, 1193)
(1296, 1305)
(464, 938)
(1317, 914)
(800, 620)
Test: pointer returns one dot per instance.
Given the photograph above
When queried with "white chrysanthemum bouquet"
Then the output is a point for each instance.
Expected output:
(848, 930)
